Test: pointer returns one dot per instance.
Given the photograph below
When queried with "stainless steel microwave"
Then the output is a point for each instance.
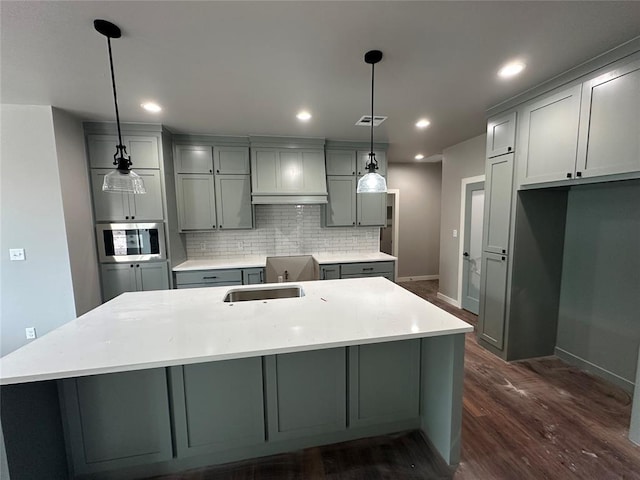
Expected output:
(130, 242)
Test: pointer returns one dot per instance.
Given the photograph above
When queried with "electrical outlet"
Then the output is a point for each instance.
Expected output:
(455, 234)
(16, 254)
(203, 247)
(30, 332)
(240, 245)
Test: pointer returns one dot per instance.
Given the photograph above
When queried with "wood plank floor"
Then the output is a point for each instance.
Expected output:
(535, 419)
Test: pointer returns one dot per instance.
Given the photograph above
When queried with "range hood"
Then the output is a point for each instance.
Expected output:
(288, 171)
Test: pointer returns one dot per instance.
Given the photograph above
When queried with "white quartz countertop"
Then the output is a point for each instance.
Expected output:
(162, 328)
(260, 261)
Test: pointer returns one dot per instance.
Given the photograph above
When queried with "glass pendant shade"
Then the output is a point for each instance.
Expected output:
(372, 183)
(123, 182)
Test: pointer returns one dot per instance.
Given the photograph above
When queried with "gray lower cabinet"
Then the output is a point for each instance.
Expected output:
(208, 278)
(367, 269)
(116, 420)
(330, 272)
(384, 382)
(493, 295)
(217, 405)
(306, 393)
(119, 207)
(252, 276)
(118, 278)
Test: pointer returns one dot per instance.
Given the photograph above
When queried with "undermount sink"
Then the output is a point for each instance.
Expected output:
(266, 293)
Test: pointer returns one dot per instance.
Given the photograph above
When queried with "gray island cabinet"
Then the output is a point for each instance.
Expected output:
(214, 382)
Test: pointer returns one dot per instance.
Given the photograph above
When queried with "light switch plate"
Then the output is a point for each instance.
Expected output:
(16, 254)
(455, 234)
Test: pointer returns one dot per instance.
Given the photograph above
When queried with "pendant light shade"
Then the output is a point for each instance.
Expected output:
(122, 179)
(372, 182)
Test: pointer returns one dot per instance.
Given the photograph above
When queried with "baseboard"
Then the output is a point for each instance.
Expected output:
(449, 300)
(418, 277)
(583, 364)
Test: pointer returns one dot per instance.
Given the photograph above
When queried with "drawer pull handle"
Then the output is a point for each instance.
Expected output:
(208, 278)
(370, 269)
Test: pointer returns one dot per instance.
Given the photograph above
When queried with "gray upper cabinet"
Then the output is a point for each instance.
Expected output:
(142, 149)
(610, 123)
(119, 278)
(231, 160)
(497, 206)
(501, 135)
(371, 209)
(341, 209)
(299, 172)
(493, 292)
(213, 187)
(233, 201)
(193, 159)
(117, 420)
(341, 162)
(113, 206)
(196, 202)
(549, 137)
(363, 160)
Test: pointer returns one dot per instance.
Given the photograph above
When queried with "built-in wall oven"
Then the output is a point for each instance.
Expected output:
(130, 242)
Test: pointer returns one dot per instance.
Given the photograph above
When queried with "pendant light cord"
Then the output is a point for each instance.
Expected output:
(115, 96)
(371, 155)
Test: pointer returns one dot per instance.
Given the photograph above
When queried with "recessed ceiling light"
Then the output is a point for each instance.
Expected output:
(151, 107)
(511, 69)
(419, 156)
(423, 123)
(303, 116)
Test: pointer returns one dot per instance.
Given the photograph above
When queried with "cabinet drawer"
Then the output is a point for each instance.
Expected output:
(210, 277)
(366, 268)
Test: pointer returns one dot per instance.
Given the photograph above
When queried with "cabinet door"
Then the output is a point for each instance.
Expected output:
(263, 170)
(341, 162)
(117, 278)
(152, 276)
(549, 137)
(340, 211)
(143, 151)
(117, 420)
(497, 206)
(217, 405)
(231, 160)
(306, 393)
(193, 159)
(233, 201)
(371, 209)
(314, 172)
(107, 206)
(196, 202)
(363, 160)
(329, 272)
(610, 124)
(384, 382)
(101, 148)
(501, 134)
(252, 276)
(149, 205)
(493, 297)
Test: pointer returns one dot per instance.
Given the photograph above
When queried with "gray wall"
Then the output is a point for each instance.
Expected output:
(78, 217)
(37, 292)
(600, 293)
(463, 160)
(419, 216)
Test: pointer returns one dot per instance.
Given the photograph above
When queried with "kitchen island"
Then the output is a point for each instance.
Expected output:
(162, 381)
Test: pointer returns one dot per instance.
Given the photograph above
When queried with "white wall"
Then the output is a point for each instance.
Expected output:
(37, 292)
(463, 160)
(418, 216)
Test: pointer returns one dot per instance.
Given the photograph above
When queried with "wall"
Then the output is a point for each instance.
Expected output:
(418, 217)
(463, 160)
(600, 292)
(78, 217)
(283, 230)
(37, 292)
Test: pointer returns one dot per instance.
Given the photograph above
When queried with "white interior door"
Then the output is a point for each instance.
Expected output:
(472, 251)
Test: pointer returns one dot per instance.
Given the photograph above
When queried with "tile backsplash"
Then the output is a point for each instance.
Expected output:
(283, 230)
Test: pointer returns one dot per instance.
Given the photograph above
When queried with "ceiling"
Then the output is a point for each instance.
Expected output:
(239, 68)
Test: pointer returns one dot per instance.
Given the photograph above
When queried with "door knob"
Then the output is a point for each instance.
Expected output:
(465, 254)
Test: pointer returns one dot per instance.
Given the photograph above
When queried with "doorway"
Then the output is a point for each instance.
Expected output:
(472, 245)
(389, 233)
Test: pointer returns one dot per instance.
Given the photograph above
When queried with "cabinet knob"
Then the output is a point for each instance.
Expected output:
(137, 266)
(568, 175)
(508, 149)
(354, 223)
(359, 223)
(213, 226)
(578, 174)
(504, 251)
(353, 173)
(127, 217)
(131, 266)
(217, 171)
(504, 258)
(220, 226)
(210, 171)
(132, 217)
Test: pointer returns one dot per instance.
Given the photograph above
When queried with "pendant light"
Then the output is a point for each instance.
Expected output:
(122, 179)
(372, 182)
